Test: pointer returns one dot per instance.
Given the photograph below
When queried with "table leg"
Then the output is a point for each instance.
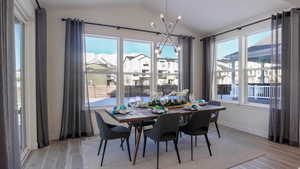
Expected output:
(139, 130)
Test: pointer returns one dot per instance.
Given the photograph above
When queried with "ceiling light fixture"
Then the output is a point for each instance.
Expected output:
(166, 35)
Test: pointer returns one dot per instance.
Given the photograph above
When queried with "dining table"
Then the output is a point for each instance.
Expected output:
(137, 115)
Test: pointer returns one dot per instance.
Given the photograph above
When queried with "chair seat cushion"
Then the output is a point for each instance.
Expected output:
(119, 132)
(120, 129)
(185, 130)
(148, 122)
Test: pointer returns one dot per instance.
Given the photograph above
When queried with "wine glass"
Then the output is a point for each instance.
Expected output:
(192, 98)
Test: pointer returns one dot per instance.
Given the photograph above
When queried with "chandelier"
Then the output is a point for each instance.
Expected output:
(166, 35)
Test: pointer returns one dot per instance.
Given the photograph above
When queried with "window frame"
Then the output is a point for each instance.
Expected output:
(178, 74)
(122, 85)
(119, 79)
(215, 88)
(242, 69)
(120, 72)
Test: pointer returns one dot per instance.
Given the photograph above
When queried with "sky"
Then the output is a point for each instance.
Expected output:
(232, 46)
(109, 46)
(18, 43)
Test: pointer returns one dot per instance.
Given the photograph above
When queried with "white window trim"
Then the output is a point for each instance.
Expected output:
(120, 72)
(243, 76)
(25, 12)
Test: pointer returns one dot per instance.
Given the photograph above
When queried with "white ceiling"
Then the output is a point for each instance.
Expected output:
(202, 16)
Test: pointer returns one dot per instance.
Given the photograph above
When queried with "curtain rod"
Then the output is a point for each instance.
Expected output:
(128, 28)
(38, 4)
(238, 28)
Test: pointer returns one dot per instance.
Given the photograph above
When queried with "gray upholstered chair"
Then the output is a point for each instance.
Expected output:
(215, 115)
(165, 129)
(198, 125)
(110, 132)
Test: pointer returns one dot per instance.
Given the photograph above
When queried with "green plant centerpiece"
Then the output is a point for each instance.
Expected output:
(171, 100)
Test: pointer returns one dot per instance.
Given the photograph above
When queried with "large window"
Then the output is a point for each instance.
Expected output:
(250, 56)
(101, 70)
(121, 71)
(19, 54)
(137, 70)
(167, 70)
(227, 66)
(259, 67)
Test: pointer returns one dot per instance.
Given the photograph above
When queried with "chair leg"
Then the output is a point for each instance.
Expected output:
(157, 154)
(192, 153)
(176, 148)
(105, 142)
(100, 145)
(145, 142)
(128, 148)
(166, 146)
(180, 134)
(218, 129)
(196, 141)
(121, 145)
(208, 144)
(135, 135)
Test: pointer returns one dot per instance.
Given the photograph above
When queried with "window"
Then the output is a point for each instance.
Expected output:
(19, 54)
(137, 70)
(101, 70)
(121, 71)
(167, 70)
(243, 68)
(227, 66)
(259, 67)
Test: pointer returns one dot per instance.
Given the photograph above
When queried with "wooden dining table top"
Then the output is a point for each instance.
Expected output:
(138, 114)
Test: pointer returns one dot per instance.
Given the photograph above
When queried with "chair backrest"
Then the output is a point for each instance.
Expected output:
(103, 127)
(167, 125)
(213, 102)
(199, 121)
(216, 114)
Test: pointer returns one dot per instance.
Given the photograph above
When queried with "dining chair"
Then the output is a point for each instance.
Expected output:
(215, 115)
(198, 125)
(165, 129)
(110, 132)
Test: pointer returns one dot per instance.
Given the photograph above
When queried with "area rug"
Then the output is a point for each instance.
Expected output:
(226, 154)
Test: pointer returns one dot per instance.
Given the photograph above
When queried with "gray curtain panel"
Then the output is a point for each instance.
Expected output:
(9, 140)
(207, 67)
(285, 95)
(41, 78)
(187, 65)
(76, 121)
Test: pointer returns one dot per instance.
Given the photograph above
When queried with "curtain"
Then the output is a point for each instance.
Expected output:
(285, 95)
(76, 121)
(9, 141)
(207, 82)
(187, 66)
(41, 78)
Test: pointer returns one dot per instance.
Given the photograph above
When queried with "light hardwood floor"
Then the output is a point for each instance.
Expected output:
(67, 154)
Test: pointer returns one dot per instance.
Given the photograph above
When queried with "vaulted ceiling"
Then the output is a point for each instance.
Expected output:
(202, 16)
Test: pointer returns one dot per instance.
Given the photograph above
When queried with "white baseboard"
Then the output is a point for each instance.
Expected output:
(244, 128)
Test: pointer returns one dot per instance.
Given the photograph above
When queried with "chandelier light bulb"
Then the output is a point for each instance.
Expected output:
(179, 17)
(178, 48)
(152, 24)
(162, 16)
(157, 51)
